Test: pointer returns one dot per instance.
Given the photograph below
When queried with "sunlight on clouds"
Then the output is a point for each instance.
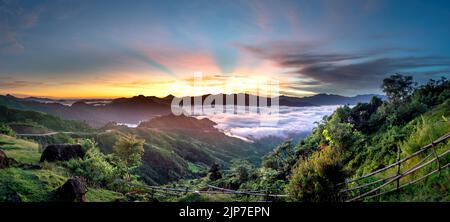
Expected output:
(291, 120)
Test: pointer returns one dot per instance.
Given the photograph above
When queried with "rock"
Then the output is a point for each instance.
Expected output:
(62, 152)
(73, 190)
(4, 160)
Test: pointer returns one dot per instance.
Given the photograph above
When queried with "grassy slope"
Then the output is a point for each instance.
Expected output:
(40, 121)
(171, 155)
(39, 184)
(421, 131)
(427, 128)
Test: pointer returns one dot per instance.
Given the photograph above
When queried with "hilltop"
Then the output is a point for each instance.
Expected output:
(350, 143)
(133, 110)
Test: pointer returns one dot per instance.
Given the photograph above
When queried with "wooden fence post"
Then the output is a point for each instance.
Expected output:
(398, 166)
(433, 148)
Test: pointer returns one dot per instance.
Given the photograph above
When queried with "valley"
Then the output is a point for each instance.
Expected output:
(193, 158)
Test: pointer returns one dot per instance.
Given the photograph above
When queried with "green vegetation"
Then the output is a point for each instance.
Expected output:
(102, 195)
(40, 120)
(39, 184)
(29, 185)
(21, 150)
(356, 141)
(6, 130)
(171, 155)
(351, 142)
(129, 150)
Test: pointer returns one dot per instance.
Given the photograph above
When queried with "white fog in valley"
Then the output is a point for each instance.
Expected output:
(251, 126)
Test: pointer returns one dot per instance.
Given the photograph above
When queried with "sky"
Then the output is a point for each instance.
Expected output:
(108, 49)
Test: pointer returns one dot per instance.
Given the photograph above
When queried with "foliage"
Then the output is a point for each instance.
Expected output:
(315, 179)
(214, 172)
(41, 119)
(129, 150)
(281, 159)
(29, 186)
(366, 137)
(102, 195)
(397, 87)
(242, 171)
(97, 168)
(20, 150)
(204, 198)
(87, 144)
(6, 130)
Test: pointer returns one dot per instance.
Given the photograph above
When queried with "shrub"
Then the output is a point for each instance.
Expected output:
(214, 172)
(87, 144)
(315, 180)
(6, 130)
(97, 168)
(129, 149)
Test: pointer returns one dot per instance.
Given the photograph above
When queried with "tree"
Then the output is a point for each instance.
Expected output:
(214, 172)
(397, 87)
(129, 150)
(242, 170)
(282, 158)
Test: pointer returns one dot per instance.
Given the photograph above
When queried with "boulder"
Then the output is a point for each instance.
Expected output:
(4, 160)
(62, 152)
(73, 190)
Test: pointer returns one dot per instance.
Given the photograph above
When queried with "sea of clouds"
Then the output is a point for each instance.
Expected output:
(253, 126)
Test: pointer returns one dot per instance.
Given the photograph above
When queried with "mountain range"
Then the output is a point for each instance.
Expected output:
(99, 112)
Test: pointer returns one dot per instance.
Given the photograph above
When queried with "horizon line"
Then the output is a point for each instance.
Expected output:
(24, 96)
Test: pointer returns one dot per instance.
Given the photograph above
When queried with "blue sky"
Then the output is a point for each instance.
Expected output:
(113, 48)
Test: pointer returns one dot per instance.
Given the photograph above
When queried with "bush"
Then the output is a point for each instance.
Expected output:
(97, 168)
(6, 130)
(315, 180)
(87, 144)
(214, 172)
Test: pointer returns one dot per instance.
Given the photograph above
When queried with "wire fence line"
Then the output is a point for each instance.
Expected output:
(214, 190)
(161, 191)
(399, 175)
(421, 150)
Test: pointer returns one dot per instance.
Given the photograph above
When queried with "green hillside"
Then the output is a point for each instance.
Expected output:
(355, 141)
(352, 142)
(38, 185)
(171, 155)
(37, 121)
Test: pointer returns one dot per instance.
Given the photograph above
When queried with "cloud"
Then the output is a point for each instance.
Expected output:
(291, 120)
(18, 84)
(9, 82)
(13, 20)
(357, 70)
